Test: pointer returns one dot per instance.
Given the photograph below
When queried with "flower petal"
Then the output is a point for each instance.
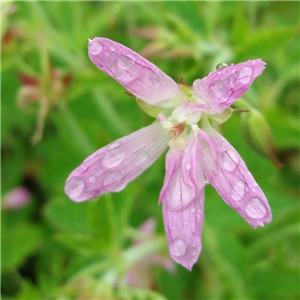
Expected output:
(112, 167)
(227, 172)
(142, 78)
(223, 87)
(183, 198)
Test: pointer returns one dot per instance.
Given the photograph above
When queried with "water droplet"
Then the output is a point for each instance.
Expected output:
(113, 178)
(185, 222)
(125, 62)
(74, 187)
(107, 54)
(198, 215)
(245, 75)
(178, 247)
(229, 159)
(188, 166)
(192, 210)
(255, 209)
(112, 158)
(175, 217)
(84, 167)
(238, 191)
(219, 87)
(221, 66)
(193, 251)
(92, 179)
(95, 48)
(112, 146)
(112, 48)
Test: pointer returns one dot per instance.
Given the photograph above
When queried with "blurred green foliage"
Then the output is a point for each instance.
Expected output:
(57, 249)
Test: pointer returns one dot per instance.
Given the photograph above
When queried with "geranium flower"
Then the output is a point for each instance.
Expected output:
(197, 154)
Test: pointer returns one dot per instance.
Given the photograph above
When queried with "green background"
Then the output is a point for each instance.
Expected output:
(56, 249)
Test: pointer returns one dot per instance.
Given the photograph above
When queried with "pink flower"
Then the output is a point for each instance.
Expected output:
(16, 198)
(197, 154)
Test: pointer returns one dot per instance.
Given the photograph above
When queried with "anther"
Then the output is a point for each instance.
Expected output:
(176, 130)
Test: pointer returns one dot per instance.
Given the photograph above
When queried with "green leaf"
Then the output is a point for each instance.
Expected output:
(28, 291)
(240, 27)
(102, 221)
(66, 215)
(19, 240)
(262, 43)
(85, 244)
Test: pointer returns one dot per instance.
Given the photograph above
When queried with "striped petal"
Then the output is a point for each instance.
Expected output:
(227, 172)
(223, 87)
(142, 78)
(113, 166)
(182, 198)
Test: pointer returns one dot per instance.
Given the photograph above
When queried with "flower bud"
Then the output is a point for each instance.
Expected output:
(258, 135)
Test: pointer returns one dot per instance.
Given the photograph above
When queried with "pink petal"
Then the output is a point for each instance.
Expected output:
(227, 172)
(183, 198)
(113, 166)
(135, 73)
(223, 87)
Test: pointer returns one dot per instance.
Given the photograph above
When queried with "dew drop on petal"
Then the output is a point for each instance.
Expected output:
(106, 54)
(188, 166)
(245, 75)
(255, 209)
(113, 178)
(112, 158)
(92, 179)
(192, 210)
(120, 186)
(83, 167)
(178, 247)
(228, 160)
(219, 87)
(238, 191)
(193, 251)
(125, 62)
(221, 66)
(95, 48)
(112, 146)
(74, 187)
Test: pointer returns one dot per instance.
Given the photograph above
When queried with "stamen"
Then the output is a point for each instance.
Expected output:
(175, 131)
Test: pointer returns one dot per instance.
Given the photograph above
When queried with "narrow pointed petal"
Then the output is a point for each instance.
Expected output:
(227, 172)
(223, 87)
(138, 75)
(112, 167)
(182, 197)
